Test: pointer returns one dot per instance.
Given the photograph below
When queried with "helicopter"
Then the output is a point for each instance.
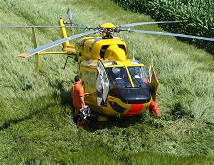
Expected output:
(118, 85)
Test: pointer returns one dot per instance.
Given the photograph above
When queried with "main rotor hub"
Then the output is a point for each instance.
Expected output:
(108, 26)
(107, 29)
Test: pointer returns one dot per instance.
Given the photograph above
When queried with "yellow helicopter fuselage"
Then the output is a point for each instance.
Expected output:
(113, 53)
(99, 48)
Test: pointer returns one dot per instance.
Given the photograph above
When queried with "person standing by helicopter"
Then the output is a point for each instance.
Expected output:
(77, 94)
(153, 109)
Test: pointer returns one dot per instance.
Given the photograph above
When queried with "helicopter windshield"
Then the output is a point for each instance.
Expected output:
(129, 84)
(119, 78)
(138, 75)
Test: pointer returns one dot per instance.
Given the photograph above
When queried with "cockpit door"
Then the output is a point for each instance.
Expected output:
(153, 81)
(102, 84)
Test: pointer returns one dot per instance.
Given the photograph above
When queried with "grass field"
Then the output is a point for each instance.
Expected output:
(35, 118)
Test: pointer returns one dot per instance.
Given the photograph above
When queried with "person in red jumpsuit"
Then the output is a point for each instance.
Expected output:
(153, 109)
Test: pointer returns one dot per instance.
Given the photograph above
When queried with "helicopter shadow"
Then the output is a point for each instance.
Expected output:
(63, 95)
(121, 122)
(7, 124)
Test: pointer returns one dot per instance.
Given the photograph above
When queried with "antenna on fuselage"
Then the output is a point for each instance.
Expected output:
(133, 54)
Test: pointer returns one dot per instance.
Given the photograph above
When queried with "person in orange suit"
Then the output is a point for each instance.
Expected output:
(78, 94)
(153, 109)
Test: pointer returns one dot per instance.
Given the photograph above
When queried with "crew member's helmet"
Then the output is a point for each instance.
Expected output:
(115, 70)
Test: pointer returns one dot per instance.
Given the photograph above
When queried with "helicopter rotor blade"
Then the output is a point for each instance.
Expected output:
(10, 27)
(148, 23)
(172, 34)
(52, 44)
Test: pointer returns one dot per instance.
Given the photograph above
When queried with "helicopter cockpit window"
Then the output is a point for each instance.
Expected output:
(118, 77)
(138, 75)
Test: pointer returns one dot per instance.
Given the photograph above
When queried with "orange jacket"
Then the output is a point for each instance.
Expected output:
(77, 91)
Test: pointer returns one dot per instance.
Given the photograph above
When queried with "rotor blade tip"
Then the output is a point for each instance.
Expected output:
(23, 55)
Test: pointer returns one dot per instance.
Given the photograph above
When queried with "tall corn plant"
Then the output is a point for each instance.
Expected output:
(199, 16)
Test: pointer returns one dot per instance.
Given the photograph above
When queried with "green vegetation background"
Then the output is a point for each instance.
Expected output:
(35, 118)
(197, 17)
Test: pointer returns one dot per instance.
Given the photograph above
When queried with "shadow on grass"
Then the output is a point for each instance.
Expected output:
(112, 122)
(8, 123)
(61, 93)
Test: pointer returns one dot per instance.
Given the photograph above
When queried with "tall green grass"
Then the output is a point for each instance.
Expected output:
(35, 118)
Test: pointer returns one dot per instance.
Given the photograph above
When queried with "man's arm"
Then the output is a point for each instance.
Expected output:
(82, 101)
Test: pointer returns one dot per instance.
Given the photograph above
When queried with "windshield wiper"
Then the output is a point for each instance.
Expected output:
(133, 78)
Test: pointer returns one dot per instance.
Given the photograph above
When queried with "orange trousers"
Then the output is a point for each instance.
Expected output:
(153, 108)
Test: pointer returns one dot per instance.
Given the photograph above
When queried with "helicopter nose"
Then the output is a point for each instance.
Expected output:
(134, 109)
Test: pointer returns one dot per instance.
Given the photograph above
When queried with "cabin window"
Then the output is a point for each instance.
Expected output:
(92, 78)
(86, 77)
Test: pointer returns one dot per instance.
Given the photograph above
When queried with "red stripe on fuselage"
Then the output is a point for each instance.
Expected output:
(134, 109)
